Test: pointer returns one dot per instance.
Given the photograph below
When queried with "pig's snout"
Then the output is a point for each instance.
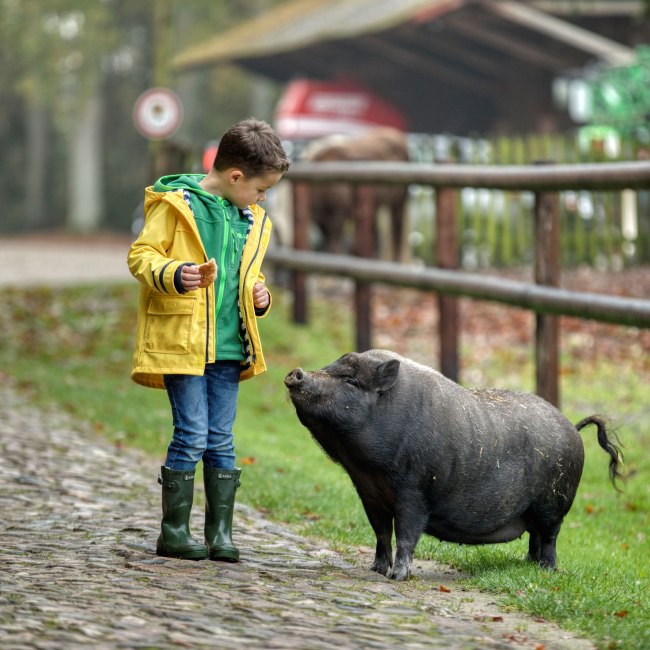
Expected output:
(294, 378)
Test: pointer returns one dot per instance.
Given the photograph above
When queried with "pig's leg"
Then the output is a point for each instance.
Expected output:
(541, 545)
(381, 521)
(534, 546)
(547, 556)
(410, 522)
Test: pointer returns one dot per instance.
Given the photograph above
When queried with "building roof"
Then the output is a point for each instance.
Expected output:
(427, 56)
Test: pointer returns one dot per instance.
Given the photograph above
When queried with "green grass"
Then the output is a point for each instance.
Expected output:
(72, 347)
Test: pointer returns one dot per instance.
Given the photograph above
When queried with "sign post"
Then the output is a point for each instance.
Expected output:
(158, 113)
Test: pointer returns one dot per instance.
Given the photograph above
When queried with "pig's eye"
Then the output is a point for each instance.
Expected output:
(351, 380)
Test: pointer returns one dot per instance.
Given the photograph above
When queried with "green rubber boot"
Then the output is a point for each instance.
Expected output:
(177, 497)
(220, 487)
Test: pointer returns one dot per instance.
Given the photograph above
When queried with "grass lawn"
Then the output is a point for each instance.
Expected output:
(73, 347)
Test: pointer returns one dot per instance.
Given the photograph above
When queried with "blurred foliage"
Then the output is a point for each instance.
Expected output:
(62, 52)
(621, 95)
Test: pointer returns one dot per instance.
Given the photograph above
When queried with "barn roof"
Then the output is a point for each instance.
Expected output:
(426, 56)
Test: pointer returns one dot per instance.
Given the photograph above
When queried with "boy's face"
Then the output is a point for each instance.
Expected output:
(244, 190)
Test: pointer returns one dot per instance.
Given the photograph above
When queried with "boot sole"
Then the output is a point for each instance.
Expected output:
(224, 557)
(183, 555)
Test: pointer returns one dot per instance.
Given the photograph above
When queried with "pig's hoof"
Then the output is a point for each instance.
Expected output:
(381, 567)
(547, 566)
(400, 573)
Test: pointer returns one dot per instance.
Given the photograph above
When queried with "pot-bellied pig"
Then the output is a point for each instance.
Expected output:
(429, 456)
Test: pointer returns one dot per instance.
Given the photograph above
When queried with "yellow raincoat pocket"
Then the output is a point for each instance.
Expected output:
(169, 324)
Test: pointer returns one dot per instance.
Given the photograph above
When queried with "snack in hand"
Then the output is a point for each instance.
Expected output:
(208, 273)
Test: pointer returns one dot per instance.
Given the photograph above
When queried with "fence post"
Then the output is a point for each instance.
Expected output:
(547, 272)
(300, 242)
(446, 255)
(364, 246)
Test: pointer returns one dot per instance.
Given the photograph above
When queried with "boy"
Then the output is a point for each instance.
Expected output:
(197, 336)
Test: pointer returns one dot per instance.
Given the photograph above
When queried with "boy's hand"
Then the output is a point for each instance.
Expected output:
(190, 277)
(261, 298)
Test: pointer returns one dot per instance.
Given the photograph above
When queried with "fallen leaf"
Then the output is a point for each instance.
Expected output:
(621, 614)
(249, 460)
(516, 638)
(312, 516)
(589, 509)
(497, 619)
(444, 589)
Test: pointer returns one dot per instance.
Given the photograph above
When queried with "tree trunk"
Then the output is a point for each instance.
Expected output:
(86, 188)
(35, 216)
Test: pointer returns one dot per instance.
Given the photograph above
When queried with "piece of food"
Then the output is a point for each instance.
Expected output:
(208, 273)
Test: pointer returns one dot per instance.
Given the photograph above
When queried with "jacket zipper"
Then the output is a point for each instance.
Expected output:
(208, 316)
(245, 314)
(221, 276)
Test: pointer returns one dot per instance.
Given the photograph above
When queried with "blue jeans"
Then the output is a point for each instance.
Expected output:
(203, 410)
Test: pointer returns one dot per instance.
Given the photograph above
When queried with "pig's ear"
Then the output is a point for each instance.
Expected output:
(387, 375)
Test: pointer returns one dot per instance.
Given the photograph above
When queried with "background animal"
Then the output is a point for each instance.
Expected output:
(333, 205)
(429, 456)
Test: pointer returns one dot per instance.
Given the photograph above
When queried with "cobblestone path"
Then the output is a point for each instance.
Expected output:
(79, 519)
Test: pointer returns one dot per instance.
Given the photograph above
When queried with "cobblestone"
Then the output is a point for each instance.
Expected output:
(78, 569)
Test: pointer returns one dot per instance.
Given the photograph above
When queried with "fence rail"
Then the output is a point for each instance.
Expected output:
(544, 296)
(632, 312)
(589, 176)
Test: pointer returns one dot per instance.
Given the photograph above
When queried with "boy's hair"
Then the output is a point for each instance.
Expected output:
(252, 146)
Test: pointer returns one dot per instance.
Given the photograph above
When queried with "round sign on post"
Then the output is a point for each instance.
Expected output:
(158, 113)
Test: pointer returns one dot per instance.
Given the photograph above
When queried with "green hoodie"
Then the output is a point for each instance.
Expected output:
(223, 229)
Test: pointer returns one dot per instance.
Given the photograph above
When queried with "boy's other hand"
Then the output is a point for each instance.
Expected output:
(261, 298)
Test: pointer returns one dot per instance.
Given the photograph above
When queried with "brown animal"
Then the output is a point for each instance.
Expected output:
(332, 204)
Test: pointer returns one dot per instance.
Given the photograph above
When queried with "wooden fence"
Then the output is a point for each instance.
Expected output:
(544, 297)
(601, 229)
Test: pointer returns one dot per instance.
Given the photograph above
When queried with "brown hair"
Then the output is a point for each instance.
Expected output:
(252, 146)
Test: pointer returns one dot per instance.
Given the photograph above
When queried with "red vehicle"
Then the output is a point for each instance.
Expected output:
(311, 109)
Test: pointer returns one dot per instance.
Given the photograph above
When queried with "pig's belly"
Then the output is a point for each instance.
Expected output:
(512, 530)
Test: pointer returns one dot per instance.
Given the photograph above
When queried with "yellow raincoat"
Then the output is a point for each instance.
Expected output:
(175, 330)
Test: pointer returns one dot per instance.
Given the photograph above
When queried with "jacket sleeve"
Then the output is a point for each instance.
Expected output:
(148, 258)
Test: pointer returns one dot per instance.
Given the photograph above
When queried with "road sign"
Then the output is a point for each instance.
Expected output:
(158, 113)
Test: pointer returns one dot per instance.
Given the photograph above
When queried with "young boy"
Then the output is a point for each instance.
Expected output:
(197, 336)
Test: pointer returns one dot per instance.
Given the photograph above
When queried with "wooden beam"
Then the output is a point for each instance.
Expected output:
(441, 42)
(506, 43)
(582, 39)
(632, 8)
(425, 64)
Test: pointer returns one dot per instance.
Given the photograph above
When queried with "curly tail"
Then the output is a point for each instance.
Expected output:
(614, 451)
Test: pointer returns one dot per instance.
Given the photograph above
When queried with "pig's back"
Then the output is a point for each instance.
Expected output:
(494, 456)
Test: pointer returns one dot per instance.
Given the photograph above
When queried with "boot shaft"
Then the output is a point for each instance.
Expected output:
(177, 490)
(221, 484)
(220, 488)
(175, 539)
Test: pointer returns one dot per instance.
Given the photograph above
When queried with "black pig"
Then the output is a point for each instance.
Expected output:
(467, 466)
